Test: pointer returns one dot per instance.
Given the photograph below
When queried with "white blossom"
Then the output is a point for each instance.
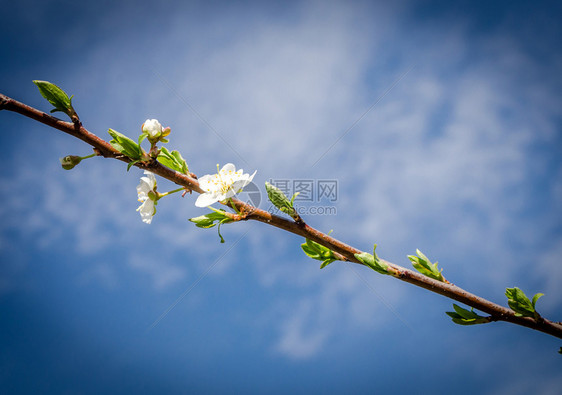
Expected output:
(152, 128)
(146, 191)
(223, 185)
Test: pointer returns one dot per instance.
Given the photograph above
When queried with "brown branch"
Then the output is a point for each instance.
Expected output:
(342, 250)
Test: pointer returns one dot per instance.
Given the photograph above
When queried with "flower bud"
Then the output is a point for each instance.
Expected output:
(153, 129)
(69, 161)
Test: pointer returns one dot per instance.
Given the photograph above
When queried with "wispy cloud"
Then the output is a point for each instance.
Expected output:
(445, 160)
(162, 273)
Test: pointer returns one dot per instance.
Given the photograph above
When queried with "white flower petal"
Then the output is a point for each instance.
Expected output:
(151, 179)
(229, 167)
(206, 199)
(230, 193)
(206, 182)
(238, 185)
(249, 180)
(146, 211)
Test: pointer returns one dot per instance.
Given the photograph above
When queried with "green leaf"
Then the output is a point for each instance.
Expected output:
(319, 252)
(293, 200)
(463, 316)
(217, 217)
(142, 136)
(131, 164)
(56, 96)
(373, 261)
(125, 145)
(173, 160)
(211, 219)
(423, 265)
(520, 303)
(535, 298)
(326, 263)
(279, 200)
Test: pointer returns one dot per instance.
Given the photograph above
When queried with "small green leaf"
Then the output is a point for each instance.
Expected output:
(125, 145)
(56, 96)
(293, 200)
(173, 160)
(535, 298)
(211, 219)
(326, 263)
(463, 316)
(423, 265)
(366, 258)
(142, 136)
(319, 252)
(132, 163)
(373, 261)
(279, 200)
(520, 303)
(217, 217)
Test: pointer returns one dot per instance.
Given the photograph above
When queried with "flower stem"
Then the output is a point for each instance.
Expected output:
(160, 195)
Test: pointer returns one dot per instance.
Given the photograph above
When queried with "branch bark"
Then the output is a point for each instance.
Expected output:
(343, 251)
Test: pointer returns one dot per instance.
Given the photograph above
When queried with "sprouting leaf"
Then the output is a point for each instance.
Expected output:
(173, 160)
(535, 298)
(373, 261)
(318, 252)
(279, 200)
(463, 316)
(209, 220)
(56, 96)
(520, 303)
(132, 163)
(423, 265)
(125, 145)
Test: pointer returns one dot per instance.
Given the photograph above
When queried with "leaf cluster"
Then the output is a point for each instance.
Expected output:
(373, 261)
(520, 303)
(423, 265)
(463, 316)
(173, 160)
(319, 252)
(126, 146)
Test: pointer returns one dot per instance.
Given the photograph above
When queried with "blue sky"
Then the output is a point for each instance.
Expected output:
(459, 156)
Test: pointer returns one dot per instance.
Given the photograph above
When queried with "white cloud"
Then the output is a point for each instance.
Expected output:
(158, 267)
(298, 338)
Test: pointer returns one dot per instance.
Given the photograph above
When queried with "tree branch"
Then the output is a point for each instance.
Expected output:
(343, 251)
